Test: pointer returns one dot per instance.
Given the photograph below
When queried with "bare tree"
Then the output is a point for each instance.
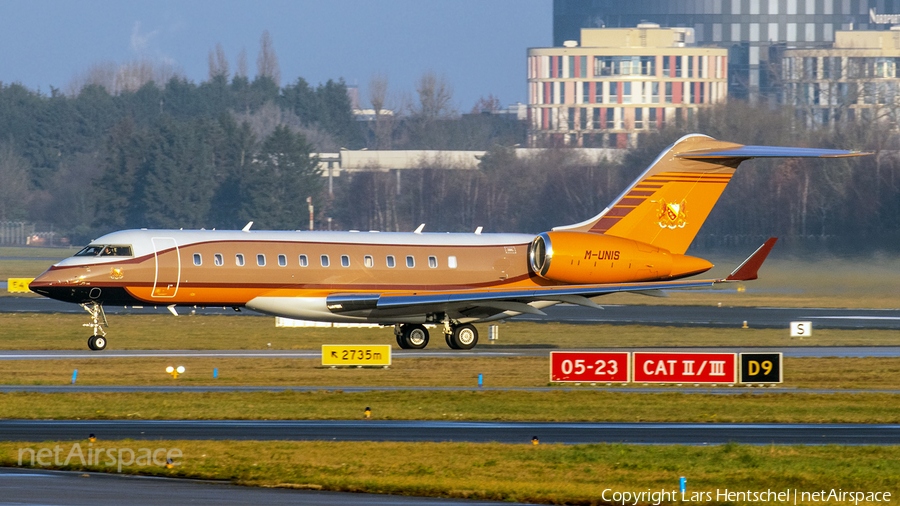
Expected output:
(435, 96)
(100, 74)
(218, 63)
(14, 193)
(378, 97)
(267, 61)
(264, 121)
(242, 63)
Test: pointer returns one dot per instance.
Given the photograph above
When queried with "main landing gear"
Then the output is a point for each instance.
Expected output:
(97, 341)
(457, 336)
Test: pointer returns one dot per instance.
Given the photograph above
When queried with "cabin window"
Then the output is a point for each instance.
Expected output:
(261, 260)
(369, 261)
(219, 260)
(239, 259)
(198, 260)
(282, 261)
(410, 261)
(432, 262)
(451, 261)
(390, 261)
(304, 261)
(345, 261)
(325, 261)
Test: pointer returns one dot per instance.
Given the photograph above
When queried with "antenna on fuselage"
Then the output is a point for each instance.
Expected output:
(247, 227)
(419, 230)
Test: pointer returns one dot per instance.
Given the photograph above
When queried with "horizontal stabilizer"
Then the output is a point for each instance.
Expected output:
(747, 152)
(748, 269)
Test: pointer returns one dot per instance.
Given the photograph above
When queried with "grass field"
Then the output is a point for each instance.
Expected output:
(551, 474)
(32, 331)
(805, 372)
(591, 406)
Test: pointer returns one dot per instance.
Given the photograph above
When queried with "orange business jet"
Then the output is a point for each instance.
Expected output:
(637, 244)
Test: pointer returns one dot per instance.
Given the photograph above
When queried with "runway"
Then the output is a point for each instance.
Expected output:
(440, 431)
(58, 488)
(695, 316)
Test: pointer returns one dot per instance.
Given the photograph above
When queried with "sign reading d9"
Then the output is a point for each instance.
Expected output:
(585, 366)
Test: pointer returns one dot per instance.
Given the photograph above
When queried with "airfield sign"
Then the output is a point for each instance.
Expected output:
(581, 366)
(356, 354)
(685, 367)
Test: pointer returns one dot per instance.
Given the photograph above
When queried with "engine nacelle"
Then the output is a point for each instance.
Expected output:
(586, 258)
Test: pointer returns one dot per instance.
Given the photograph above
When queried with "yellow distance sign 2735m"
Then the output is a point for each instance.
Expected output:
(356, 354)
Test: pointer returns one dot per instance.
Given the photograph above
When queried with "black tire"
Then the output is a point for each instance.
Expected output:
(400, 341)
(465, 337)
(449, 339)
(415, 337)
(91, 343)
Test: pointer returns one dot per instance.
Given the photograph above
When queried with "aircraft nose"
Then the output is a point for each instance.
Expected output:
(684, 265)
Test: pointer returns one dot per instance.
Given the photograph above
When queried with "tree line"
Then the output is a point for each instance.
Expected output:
(230, 150)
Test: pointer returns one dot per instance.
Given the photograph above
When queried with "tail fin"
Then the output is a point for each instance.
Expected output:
(668, 203)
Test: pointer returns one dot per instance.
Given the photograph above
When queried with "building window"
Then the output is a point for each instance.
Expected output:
(613, 92)
(432, 262)
(325, 260)
(368, 261)
(345, 261)
(410, 261)
(583, 69)
(654, 93)
(669, 93)
(219, 260)
(571, 66)
(626, 92)
(390, 261)
(610, 119)
(562, 92)
(651, 119)
(451, 261)
(261, 260)
(282, 261)
(598, 124)
(304, 261)
(666, 64)
(638, 118)
(239, 260)
(585, 93)
(679, 68)
(598, 93)
(690, 66)
(571, 118)
(583, 118)
(198, 260)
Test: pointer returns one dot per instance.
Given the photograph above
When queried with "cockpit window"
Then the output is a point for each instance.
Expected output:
(105, 251)
(116, 251)
(89, 251)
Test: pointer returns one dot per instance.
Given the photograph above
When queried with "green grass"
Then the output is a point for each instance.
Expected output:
(462, 405)
(33, 331)
(804, 372)
(550, 474)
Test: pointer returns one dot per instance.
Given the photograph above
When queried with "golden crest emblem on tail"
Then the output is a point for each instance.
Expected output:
(672, 215)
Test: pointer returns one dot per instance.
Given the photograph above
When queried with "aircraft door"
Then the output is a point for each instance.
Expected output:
(168, 267)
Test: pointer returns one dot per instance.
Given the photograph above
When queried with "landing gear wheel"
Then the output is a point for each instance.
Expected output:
(400, 341)
(97, 343)
(449, 339)
(414, 337)
(464, 337)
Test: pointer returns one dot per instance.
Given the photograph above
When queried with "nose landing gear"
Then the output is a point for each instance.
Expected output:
(97, 341)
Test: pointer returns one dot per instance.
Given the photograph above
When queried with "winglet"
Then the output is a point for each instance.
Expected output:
(748, 270)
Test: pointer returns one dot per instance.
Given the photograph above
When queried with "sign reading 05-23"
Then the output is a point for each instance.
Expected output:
(589, 366)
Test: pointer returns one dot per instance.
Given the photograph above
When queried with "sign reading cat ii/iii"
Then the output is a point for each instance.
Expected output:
(356, 354)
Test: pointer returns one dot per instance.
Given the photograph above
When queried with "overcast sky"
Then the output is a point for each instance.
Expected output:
(479, 45)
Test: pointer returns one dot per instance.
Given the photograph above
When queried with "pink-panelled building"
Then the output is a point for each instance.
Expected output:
(619, 82)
